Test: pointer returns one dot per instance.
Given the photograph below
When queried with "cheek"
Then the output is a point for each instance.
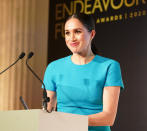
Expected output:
(85, 38)
(81, 37)
(66, 40)
(67, 43)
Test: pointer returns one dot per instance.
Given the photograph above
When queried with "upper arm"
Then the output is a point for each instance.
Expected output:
(110, 100)
(113, 76)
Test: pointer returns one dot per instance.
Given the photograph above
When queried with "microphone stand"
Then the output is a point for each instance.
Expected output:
(20, 57)
(45, 98)
(23, 103)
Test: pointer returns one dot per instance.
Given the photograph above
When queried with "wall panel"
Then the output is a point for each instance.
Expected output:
(23, 27)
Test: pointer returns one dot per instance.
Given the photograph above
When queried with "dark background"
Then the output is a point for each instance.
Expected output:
(126, 42)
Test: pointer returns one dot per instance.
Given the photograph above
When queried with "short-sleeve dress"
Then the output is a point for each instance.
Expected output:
(79, 88)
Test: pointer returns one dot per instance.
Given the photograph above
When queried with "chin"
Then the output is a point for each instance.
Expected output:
(74, 50)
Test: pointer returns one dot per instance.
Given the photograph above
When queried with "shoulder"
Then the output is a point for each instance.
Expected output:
(59, 62)
(105, 60)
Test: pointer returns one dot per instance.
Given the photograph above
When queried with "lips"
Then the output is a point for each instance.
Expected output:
(74, 44)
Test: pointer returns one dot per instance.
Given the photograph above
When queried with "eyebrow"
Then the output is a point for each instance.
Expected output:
(75, 29)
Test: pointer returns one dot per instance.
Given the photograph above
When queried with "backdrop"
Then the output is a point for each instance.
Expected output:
(121, 30)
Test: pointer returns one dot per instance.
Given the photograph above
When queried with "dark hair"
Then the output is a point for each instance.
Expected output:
(88, 22)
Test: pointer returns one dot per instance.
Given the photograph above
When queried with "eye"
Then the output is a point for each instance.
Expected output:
(78, 31)
(66, 33)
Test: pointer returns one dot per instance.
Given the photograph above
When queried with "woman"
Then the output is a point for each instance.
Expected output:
(84, 83)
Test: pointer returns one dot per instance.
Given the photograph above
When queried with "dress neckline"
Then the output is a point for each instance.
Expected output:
(82, 64)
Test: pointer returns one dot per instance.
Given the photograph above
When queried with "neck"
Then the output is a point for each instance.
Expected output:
(82, 59)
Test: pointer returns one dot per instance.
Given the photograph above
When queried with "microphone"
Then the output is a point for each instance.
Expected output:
(20, 57)
(45, 98)
(23, 103)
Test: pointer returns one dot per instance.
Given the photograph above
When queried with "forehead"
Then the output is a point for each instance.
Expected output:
(73, 23)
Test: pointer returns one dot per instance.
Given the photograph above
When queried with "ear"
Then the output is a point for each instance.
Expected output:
(93, 32)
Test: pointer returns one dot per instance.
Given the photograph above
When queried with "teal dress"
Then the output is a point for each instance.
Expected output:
(79, 88)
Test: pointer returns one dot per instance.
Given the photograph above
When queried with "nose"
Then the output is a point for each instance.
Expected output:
(72, 37)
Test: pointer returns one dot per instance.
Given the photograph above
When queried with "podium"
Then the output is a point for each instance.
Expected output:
(39, 120)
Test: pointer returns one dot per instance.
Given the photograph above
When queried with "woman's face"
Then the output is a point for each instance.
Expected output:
(77, 37)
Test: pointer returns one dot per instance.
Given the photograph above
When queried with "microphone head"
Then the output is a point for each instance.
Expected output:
(21, 55)
(30, 55)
